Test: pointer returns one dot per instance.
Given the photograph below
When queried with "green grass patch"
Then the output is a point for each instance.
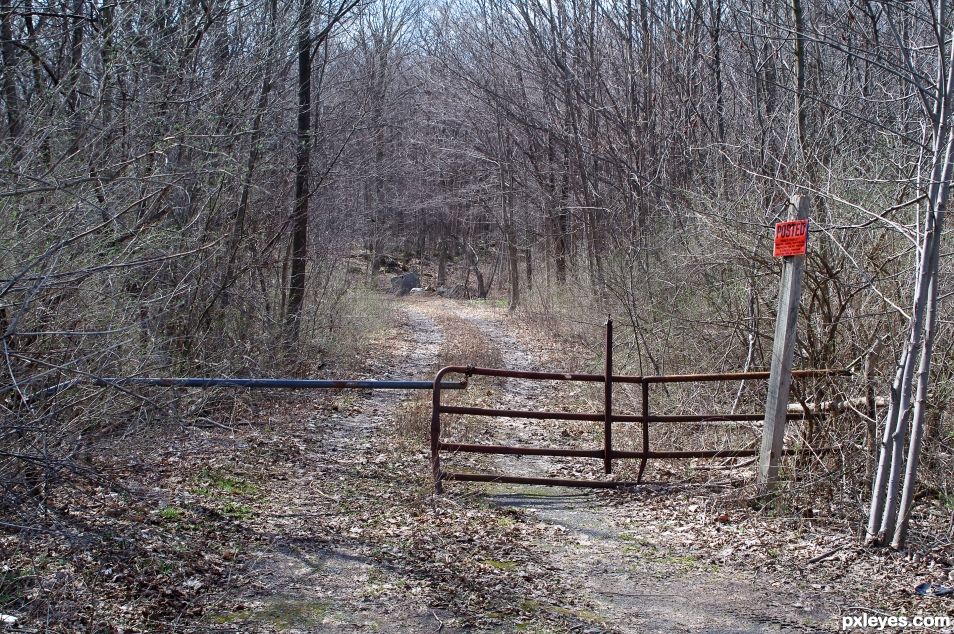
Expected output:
(509, 566)
(211, 483)
(685, 561)
(170, 513)
(13, 584)
(638, 545)
(530, 606)
(236, 511)
(947, 499)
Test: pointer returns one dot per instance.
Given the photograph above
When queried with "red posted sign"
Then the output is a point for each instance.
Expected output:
(791, 238)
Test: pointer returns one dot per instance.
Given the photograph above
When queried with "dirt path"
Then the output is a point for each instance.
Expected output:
(357, 543)
(310, 581)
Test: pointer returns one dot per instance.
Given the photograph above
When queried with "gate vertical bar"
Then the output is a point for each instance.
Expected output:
(642, 463)
(436, 434)
(608, 400)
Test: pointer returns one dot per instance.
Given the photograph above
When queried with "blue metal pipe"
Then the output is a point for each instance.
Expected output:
(293, 384)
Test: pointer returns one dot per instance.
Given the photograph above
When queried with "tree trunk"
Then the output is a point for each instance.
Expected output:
(528, 261)
(798, 24)
(77, 79)
(513, 266)
(10, 96)
(558, 213)
(237, 233)
(885, 511)
(442, 262)
(942, 188)
(299, 253)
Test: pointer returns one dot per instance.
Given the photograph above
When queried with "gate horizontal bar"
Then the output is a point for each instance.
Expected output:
(533, 374)
(553, 482)
(525, 374)
(515, 413)
(709, 453)
(626, 378)
(599, 453)
(292, 384)
(738, 376)
(701, 418)
(522, 451)
(616, 418)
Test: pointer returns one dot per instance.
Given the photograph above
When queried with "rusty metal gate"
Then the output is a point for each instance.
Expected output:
(606, 453)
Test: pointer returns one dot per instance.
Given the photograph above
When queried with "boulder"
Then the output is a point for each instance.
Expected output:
(402, 284)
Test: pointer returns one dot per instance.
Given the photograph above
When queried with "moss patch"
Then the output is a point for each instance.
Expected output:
(582, 615)
(288, 613)
(226, 618)
(501, 565)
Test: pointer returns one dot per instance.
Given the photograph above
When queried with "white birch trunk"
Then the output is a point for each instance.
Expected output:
(888, 516)
(940, 193)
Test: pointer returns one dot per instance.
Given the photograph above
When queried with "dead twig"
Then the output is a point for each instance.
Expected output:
(826, 555)
(642, 594)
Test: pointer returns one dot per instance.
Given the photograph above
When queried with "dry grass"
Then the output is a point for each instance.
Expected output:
(412, 419)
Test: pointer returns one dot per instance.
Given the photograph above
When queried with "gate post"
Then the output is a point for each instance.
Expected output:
(608, 400)
(436, 432)
(783, 348)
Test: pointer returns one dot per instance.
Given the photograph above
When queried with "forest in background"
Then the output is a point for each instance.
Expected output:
(209, 187)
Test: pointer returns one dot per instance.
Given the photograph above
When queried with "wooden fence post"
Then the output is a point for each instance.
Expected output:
(783, 348)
